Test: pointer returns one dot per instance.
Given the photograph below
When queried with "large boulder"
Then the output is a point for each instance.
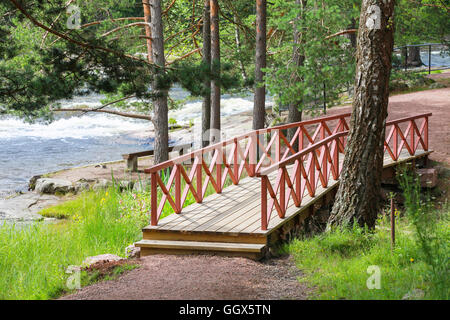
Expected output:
(52, 186)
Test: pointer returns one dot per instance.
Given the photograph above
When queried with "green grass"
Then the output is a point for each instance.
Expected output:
(33, 258)
(336, 263)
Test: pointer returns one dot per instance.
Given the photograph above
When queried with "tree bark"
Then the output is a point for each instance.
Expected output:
(414, 59)
(160, 98)
(148, 31)
(298, 60)
(259, 107)
(206, 105)
(215, 84)
(358, 196)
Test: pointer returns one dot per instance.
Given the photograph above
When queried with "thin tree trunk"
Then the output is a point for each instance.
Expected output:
(237, 38)
(215, 61)
(298, 59)
(259, 108)
(414, 59)
(358, 196)
(352, 36)
(148, 30)
(206, 106)
(160, 99)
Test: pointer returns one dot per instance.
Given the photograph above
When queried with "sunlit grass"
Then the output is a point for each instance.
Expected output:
(33, 258)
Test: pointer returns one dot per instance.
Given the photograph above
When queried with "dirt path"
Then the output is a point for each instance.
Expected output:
(210, 277)
(201, 278)
(436, 101)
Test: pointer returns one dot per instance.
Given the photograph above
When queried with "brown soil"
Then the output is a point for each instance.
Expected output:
(201, 277)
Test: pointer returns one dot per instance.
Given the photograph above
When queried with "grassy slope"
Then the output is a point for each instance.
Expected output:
(33, 259)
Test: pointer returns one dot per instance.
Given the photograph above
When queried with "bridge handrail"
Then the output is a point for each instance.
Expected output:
(323, 161)
(231, 166)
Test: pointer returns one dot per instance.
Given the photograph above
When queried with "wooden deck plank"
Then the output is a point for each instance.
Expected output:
(193, 219)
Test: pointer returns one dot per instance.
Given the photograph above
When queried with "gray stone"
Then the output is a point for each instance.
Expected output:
(32, 183)
(102, 184)
(82, 186)
(132, 252)
(25, 207)
(415, 294)
(52, 186)
(142, 185)
(126, 185)
(100, 258)
(436, 85)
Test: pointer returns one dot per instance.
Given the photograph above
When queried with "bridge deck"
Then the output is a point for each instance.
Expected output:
(237, 210)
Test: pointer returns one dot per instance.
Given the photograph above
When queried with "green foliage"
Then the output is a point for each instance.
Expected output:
(327, 62)
(430, 231)
(421, 21)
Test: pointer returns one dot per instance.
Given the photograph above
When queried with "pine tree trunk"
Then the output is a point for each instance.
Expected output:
(148, 31)
(215, 60)
(414, 59)
(352, 36)
(259, 108)
(298, 59)
(160, 99)
(206, 106)
(358, 195)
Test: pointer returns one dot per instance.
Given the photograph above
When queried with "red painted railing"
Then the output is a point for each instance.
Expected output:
(228, 159)
(322, 163)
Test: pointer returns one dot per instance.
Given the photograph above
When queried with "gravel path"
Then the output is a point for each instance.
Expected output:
(436, 101)
(201, 278)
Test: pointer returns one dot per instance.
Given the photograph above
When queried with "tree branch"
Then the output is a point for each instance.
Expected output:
(119, 113)
(93, 23)
(123, 27)
(67, 38)
(184, 56)
(340, 33)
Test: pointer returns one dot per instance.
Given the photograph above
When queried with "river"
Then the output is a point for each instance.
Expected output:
(31, 149)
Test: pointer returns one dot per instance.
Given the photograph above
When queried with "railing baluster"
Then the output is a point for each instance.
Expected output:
(178, 189)
(396, 151)
(312, 174)
(154, 200)
(199, 178)
(219, 169)
(235, 160)
(412, 141)
(283, 192)
(426, 133)
(264, 222)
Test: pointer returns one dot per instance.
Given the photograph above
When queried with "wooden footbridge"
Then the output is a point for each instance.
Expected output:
(239, 196)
